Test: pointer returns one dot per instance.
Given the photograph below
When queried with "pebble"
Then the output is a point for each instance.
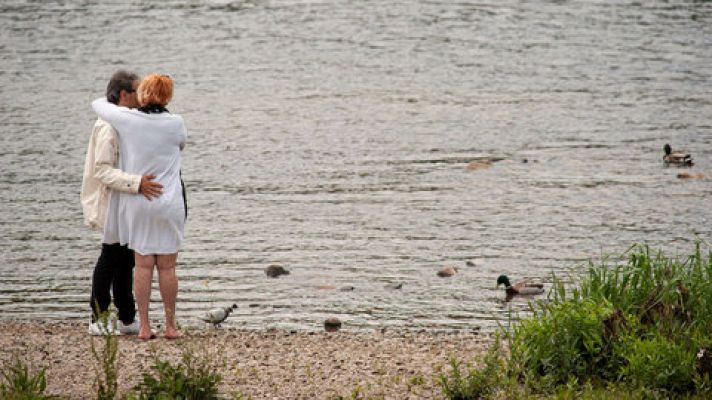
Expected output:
(274, 271)
(395, 286)
(332, 324)
(326, 287)
(690, 175)
(447, 272)
(478, 165)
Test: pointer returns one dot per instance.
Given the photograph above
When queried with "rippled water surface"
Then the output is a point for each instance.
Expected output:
(332, 138)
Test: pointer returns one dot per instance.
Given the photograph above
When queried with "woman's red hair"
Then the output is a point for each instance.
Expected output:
(155, 89)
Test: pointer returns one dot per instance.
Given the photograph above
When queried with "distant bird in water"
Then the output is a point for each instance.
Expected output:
(217, 315)
(680, 158)
(519, 288)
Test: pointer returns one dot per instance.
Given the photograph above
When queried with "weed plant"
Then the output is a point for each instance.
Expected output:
(195, 377)
(107, 362)
(476, 383)
(20, 382)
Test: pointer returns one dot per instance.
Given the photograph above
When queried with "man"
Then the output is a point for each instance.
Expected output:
(114, 268)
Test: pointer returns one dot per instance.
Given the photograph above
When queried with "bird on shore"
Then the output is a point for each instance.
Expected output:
(519, 288)
(680, 158)
(217, 315)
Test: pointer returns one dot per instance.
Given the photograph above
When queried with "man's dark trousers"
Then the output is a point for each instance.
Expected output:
(113, 272)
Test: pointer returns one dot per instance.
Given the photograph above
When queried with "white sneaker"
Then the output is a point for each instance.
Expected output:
(129, 329)
(98, 328)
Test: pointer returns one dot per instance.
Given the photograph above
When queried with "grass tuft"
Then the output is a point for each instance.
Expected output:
(195, 377)
(638, 328)
(20, 382)
(467, 382)
(107, 361)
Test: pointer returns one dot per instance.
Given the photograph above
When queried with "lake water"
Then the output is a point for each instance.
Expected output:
(332, 137)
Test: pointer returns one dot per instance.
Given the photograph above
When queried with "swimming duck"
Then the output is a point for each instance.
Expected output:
(678, 157)
(519, 288)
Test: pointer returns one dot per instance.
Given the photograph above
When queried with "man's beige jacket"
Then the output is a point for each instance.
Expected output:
(101, 174)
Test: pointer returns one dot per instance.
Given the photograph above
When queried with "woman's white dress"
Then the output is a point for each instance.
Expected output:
(149, 144)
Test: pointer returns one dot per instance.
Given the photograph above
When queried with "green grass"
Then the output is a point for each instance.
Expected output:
(20, 382)
(195, 377)
(475, 383)
(637, 328)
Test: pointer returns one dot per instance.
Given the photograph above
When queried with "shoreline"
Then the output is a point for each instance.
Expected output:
(274, 364)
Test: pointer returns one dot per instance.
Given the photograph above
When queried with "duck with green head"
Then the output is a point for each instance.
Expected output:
(519, 288)
(678, 157)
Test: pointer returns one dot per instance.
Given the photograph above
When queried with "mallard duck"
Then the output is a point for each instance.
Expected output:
(520, 288)
(677, 157)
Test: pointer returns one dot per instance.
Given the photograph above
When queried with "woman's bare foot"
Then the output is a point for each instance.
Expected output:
(172, 333)
(145, 333)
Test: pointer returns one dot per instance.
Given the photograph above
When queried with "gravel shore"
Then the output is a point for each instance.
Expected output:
(269, 364)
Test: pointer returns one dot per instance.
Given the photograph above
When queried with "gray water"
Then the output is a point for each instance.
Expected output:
(332, 138)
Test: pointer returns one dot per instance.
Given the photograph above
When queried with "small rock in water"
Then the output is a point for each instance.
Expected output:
(447, 272)
(274, 271)
(469, 263)
(332, 324)
(690, 175)
(477, 165)
(395, 286)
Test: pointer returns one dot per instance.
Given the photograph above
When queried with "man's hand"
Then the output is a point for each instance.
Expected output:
(148, 188)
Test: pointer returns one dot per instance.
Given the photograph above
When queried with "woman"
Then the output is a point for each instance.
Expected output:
(150, 139)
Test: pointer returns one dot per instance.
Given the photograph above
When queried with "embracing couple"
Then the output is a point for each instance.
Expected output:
(132, 191)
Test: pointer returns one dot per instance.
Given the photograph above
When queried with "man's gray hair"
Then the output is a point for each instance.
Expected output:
(121, 80)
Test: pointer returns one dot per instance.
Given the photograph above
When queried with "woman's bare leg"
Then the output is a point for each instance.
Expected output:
(168, 284)
(143, 275)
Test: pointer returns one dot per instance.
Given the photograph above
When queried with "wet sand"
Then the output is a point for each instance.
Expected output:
(268, 364)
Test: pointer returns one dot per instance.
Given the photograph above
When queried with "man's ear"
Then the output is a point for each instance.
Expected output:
(123, 95)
